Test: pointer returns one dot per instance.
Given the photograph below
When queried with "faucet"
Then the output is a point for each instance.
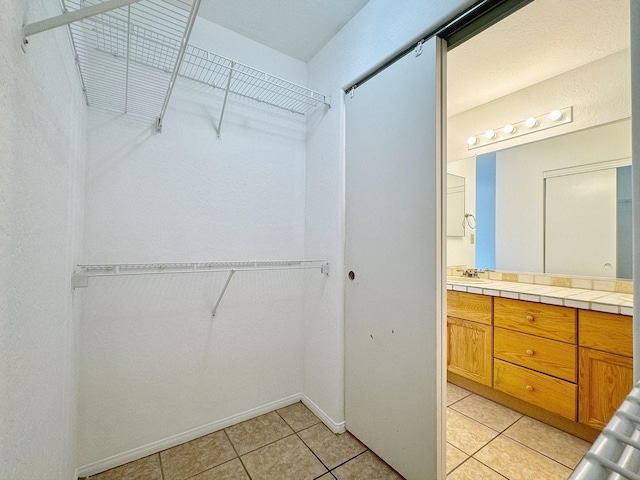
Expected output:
(470, 272)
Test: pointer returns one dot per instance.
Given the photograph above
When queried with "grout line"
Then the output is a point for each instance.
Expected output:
(536, 451)
(314, 453)
(347, 461)
(161, 467)
(489, 467)
(236, 452)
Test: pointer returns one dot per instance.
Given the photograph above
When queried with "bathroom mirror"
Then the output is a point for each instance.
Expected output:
(519, 233)
(455, 205)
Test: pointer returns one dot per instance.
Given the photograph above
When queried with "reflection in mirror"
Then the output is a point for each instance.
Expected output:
(455, 205)
(515, 194)
(587, 220)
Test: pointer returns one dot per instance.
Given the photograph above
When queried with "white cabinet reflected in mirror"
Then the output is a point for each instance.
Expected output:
(455, 205)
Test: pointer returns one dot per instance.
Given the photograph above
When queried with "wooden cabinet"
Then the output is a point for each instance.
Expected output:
(552, 394)
(548, 321)
(576, 364)
(469, 350)
(470, 336)
(540, 354)
(535, 354)
(606, 365)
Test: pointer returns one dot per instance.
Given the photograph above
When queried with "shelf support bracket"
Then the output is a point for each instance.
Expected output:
(70, 17)
(224, 103)
(79, 281)
(179, 57)
(224, 289)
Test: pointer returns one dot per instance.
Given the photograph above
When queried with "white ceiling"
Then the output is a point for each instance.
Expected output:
(298, 28)
(539, 41)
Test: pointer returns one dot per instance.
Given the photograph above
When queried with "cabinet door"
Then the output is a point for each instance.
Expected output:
(605, 381)
(470, 350)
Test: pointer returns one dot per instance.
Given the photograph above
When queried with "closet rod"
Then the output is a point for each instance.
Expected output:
(80, 279)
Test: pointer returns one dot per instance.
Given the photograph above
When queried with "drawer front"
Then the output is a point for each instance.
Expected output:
(555, 395)
(549, 321)
(541, 354)
(470, 306)
(607, 332)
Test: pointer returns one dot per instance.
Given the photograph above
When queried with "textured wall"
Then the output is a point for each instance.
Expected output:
(42, 149)
(153, 362)
(600, 92)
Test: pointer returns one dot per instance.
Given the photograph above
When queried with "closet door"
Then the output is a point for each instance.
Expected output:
(393, 321)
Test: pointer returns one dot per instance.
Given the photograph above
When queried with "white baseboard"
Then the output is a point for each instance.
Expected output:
(155, 447)
(326, 419)
(160, 445)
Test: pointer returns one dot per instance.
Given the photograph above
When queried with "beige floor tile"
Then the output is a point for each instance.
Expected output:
(455, 393)
(467, 434)
(331, 449)
(288, 458)
(327, 476)
(517, 462)
(487, 412)
(147, 468)
(474, 470)
(196, 456)
(258, 432)
(298, 416)
(560, 446)
(455, 457)
(232, 470)
(366, 466)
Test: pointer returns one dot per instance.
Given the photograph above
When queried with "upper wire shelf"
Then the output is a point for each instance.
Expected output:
(245, 81)
(129, 57)
(126, 56)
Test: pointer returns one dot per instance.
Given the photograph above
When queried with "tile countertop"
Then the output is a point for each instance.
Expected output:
(598, 300)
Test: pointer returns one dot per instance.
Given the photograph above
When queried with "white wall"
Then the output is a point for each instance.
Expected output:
(42, 150)
(600, 92)
(375, 34)
(460, 250)
(153, 362)
(520, 193)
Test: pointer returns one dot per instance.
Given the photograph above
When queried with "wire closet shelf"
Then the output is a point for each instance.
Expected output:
(129, 57)
(100, 270)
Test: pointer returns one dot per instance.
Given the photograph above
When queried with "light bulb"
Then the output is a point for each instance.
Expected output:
(555, 115)
(489, 134)
(472, 141)
(508, 128)
(530, 122)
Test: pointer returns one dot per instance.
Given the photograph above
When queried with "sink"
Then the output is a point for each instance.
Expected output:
(466, 280)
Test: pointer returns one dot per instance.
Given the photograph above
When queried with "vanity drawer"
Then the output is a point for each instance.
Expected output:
(607, 332)
(470, 306)
(541, 354)
(550, 393)
(549, 321)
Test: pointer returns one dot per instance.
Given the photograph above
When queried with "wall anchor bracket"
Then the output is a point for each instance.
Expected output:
(224, 289)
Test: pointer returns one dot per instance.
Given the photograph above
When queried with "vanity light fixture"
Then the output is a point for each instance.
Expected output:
(555, 115)
(513, 130)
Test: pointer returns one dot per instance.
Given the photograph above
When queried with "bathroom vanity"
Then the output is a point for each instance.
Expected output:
(557, 359)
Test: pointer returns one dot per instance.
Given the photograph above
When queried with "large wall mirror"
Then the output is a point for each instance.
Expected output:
(561, 205)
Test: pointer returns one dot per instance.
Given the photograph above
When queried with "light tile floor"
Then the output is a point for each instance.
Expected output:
(490, 442)
(287, 444)
(485, 441)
